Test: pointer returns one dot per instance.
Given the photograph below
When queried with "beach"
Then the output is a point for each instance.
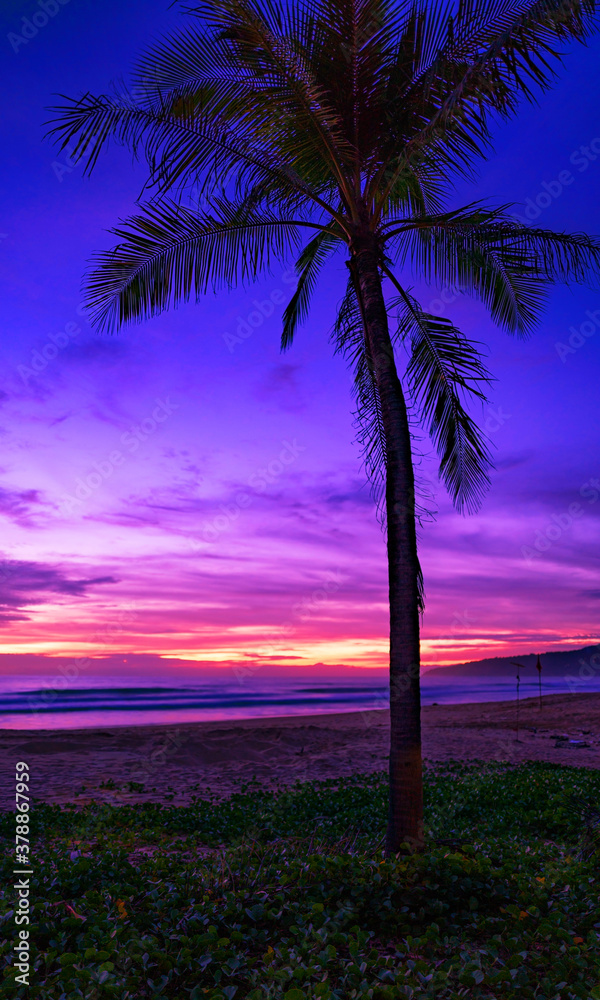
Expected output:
(174, 763)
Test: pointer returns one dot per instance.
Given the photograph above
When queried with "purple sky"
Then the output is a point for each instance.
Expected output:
(226, 516)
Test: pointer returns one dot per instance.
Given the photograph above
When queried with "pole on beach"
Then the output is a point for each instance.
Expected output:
(519, 667)
(538, 667)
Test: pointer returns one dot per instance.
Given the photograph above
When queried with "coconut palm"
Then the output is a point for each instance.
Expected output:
(317, 127)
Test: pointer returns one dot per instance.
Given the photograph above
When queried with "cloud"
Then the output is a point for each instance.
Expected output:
(18, 506)
(281, 386)
(23, 584)
(513, 461)
(101, 350)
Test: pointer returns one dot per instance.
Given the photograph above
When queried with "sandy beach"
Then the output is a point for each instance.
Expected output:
(176, 762)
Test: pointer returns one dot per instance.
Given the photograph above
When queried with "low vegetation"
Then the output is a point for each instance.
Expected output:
(288, 894)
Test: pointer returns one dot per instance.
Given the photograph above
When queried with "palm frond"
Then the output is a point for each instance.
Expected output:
(254, 72)
(444, 366)
(170, 253)
(308, 267)
(348, 337)
(513, 46)
(505, 264)
(183, 142)
(460, 66)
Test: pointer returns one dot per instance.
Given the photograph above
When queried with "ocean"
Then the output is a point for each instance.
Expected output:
(47, 707)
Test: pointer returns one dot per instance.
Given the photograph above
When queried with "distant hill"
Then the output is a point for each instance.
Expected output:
(553, 665)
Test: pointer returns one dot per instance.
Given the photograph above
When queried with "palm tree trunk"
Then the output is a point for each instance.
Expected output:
(405, 824)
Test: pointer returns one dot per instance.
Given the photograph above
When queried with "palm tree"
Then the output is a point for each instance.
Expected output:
(321, 126)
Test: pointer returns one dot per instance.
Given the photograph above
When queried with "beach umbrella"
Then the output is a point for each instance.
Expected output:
(538, 667)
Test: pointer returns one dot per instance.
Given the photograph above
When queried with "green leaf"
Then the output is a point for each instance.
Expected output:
(69, 958)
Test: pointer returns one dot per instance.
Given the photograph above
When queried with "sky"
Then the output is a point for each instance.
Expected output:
(182, 491)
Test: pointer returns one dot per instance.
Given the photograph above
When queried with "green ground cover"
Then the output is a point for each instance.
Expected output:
(298, 902)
